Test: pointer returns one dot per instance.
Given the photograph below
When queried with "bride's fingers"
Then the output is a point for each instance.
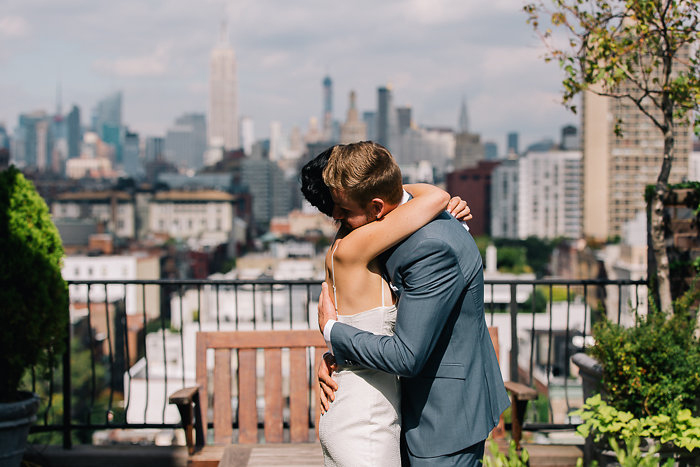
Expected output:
(462, 212)
(452, 204)
(459, 209)
(323, 401)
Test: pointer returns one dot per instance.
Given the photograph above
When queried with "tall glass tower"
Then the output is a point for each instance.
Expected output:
(327, 108)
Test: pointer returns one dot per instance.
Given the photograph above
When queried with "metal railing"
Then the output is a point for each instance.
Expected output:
(132, 341)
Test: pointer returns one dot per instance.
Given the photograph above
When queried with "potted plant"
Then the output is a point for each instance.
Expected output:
(33, 305)
(648, 399)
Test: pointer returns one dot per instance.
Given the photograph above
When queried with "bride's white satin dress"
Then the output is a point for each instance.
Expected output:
(363, 424)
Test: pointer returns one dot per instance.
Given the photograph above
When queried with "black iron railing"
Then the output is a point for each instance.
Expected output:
(132, 341)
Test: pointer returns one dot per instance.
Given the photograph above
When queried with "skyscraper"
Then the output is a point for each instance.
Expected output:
(31, 142)
(107, 123)
(247, 135)
(354, 129)
(327, 108)
(185, 142)
(154, 148)
(275, 140)
(549, 194)
(404, 118)
(370, 119)
(223, 95)
(469, 150)
(490, 150)
(270, 191)
(108, 112)
(504, 200)
(512, 143)
(616, 169)
(74, 132)
(570, 140)
(385, 116)
(132, 161)
(4, 137)
(463, 124)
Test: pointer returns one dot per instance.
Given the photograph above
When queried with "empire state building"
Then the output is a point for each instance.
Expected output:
(223, 95)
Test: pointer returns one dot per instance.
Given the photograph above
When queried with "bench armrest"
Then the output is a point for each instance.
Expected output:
(187, 401)
(183, 396)
(519, 396)
(520, 391)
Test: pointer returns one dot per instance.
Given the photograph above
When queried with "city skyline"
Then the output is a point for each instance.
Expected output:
(433, 54)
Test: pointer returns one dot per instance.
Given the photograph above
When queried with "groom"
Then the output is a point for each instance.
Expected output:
(452, 390)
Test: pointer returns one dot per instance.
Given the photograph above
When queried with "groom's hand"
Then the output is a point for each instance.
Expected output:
(326, 309)
(326, 367)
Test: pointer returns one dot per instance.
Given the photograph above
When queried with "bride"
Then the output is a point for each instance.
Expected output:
(364, 423)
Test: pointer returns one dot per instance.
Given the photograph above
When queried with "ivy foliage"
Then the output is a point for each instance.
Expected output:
(33, 294)
(605, 422)
(512, 459)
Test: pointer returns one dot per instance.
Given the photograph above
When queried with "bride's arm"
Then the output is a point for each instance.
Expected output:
(366, 242)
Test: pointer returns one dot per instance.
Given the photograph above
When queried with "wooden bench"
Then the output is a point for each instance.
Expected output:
(192, 402)
(520, 394)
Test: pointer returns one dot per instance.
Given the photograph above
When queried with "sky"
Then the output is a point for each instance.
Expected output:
(433, 53)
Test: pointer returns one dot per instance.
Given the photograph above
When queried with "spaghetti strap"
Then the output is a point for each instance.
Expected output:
(335, 296)
(381, 284)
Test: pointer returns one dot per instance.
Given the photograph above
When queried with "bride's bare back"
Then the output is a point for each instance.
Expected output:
(351, 263)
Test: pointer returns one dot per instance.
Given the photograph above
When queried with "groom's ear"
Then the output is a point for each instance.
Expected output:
(378, 208)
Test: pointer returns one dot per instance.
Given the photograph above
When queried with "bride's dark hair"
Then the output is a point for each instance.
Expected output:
(315, 191)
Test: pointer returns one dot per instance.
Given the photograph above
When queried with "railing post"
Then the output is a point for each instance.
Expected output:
(514, 333)
(67, 416)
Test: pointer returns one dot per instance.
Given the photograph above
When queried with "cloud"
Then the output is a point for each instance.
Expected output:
(13, 26)
(157, 52)
(154, 64)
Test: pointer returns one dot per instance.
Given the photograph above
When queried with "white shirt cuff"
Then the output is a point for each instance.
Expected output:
(327, 333)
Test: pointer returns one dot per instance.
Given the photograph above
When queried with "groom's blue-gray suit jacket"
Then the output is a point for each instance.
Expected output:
(452, 389)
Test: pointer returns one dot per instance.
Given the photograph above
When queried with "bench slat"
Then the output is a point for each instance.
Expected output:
(273, 396)
(264, 339)
(222, 396)
(247, 397)
(298, 396)
(201, 374)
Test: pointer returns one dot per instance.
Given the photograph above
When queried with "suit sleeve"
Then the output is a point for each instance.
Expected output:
(433, 283)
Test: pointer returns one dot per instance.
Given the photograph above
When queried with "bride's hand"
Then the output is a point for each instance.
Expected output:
(459, 209)
(328, 387)
(326, 308)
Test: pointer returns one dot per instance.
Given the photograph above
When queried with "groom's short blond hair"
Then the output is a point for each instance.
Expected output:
(364, 171)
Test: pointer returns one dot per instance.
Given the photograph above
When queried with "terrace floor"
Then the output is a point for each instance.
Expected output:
(259, 455)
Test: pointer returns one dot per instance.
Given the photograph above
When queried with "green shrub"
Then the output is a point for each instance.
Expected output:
(512, 259)
(540, 302)
(651, 368)
(33, 295)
